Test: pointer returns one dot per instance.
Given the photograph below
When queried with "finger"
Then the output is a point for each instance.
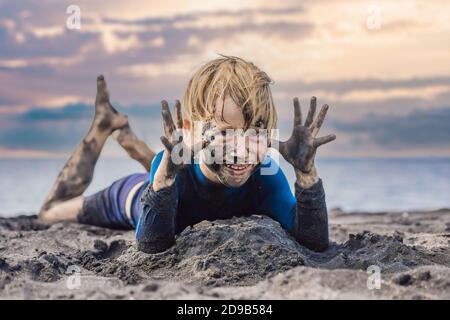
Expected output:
(315, 127)
(199, 146)
(278, 145)
(169, 127)
(165, 106)
(178, 117)
(297, 113)
(311, 112)
(166, 143)
(102, 90)
(322, 140)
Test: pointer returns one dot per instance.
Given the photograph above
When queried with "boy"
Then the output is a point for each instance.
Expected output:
(225, 94)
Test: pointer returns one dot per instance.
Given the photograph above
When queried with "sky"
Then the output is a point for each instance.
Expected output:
(382, 66)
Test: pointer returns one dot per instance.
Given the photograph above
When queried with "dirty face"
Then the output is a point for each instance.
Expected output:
(242, 149)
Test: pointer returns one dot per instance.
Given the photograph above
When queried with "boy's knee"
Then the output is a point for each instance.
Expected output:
(47, 216)
(62, 211)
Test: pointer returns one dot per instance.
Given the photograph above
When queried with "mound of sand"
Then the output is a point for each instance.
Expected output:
(238, 258)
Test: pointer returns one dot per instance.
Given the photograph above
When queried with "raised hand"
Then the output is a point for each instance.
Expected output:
(300, 149)
(169, 139)
(176, 153)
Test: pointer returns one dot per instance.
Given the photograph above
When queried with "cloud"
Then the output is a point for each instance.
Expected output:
(193, 17)
(148, 52)
(422, 128)
(358, 98)
(347, 85)
(60, 136)
(60, 129)
(63, 44)
(149, 58)
(77, 111)
(420, 132)
(67, 112)
(118, 34)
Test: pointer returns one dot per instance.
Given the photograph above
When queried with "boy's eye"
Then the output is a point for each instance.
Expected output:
(259, 123)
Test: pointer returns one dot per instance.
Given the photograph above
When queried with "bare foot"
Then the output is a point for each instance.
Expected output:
(136, 148)
(106, 117)
(125, 136)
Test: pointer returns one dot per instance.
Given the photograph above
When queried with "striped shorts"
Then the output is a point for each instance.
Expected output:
(112, 207)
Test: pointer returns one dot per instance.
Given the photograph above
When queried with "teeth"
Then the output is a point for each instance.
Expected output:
(236, 167)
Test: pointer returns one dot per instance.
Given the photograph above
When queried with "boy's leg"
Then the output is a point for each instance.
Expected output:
(64, 201)
(111, 207)
(136, 148)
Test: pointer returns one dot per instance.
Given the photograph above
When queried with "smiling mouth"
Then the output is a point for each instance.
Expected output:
(237, 169)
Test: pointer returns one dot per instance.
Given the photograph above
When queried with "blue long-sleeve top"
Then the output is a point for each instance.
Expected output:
(193, 198)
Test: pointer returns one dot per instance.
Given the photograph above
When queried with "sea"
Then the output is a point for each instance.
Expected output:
(353, 185)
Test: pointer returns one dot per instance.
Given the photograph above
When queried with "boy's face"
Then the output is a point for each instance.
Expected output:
(243, 152)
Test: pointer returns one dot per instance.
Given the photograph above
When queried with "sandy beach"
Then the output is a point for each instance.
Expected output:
(242, 258)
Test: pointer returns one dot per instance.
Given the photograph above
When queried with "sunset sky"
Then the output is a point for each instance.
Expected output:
(382, 66)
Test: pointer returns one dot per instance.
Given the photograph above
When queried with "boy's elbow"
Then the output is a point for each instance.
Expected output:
(155, 246)
(317, 243)
(318, 246)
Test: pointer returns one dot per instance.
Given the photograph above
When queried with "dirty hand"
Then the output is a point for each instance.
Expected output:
(300, 149)
(176, 152)
(167, 169)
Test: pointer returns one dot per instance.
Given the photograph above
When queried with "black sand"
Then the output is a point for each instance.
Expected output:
(239, 258)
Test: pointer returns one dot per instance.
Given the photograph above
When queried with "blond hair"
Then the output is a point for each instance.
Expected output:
(246, 84)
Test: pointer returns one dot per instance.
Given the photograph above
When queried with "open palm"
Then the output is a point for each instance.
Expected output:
(300, 149)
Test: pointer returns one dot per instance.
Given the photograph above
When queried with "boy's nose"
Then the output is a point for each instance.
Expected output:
(239, 150)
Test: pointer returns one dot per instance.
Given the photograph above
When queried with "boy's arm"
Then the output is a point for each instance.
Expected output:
(304, 216)
(310, 220)
(155, 230)
(311, 216)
